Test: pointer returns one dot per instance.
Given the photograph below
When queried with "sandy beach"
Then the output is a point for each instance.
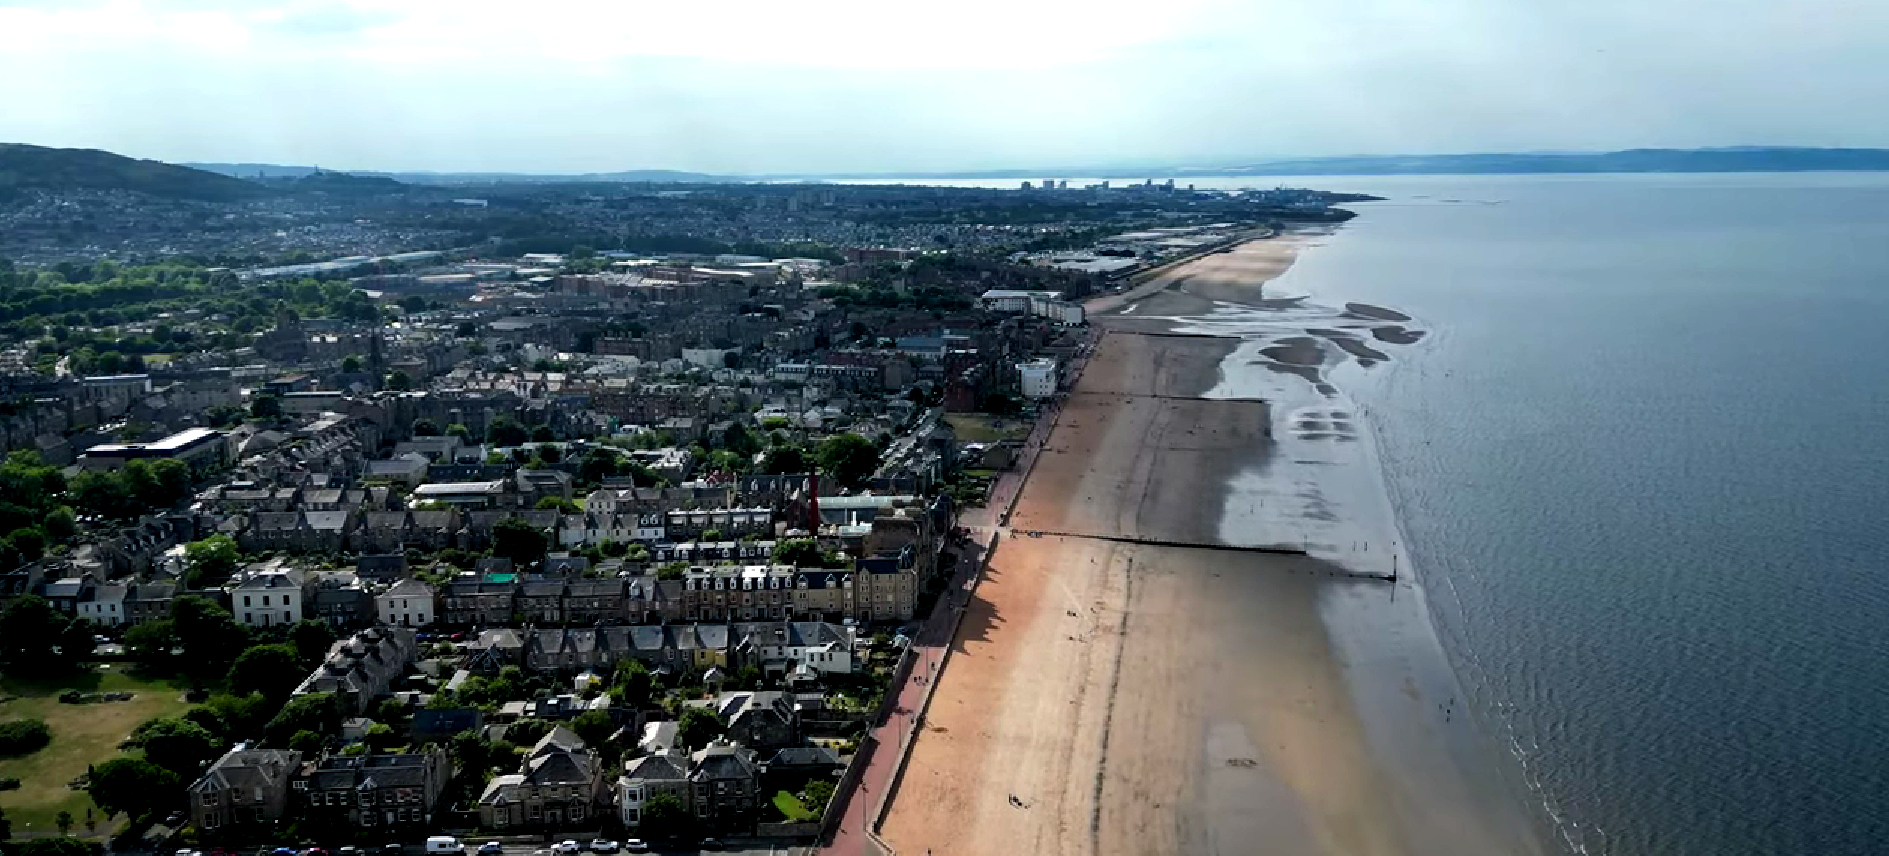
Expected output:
(1106, 697)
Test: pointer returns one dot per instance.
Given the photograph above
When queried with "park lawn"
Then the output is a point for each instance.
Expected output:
(791, 808)
(982, 428)
(82, 734)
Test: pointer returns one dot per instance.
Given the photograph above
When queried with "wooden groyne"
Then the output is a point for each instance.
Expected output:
(1270, 549)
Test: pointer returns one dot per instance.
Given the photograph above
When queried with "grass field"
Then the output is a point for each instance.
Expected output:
(791, 808)
(983, 428)
(82, 734)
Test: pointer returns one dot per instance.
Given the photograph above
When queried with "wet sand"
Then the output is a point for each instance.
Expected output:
(1116, 698)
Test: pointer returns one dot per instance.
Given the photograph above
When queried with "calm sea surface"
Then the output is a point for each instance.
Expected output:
(1643, 468)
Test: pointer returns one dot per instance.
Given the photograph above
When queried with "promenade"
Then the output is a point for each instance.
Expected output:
(931, 646)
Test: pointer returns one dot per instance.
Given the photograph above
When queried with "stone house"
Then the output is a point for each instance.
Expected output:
(559, 784)
(660, 772)
(390, 793)
(763, 720)
(149, 602)
(472, 600)
(542, 601)
(724, 785)
(363, 667)
(244, 787)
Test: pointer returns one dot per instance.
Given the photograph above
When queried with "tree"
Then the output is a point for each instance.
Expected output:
(176, 744)
(672, 571)
(243, 716)
(460, 431)
(527, 731)
(151, 643)
(211, 639)
(699, 725)
(381, 736)
(816, 794)
(61, 523)
(311, 639)
(665, 818)
(398, 381)
(594, 727)
(558, 503)
(424, 427)
(23, 737)
(29, 542)
(848, 458)
(542, 434)
(265, 406)
(64, 821)
(784, 460)
(306, 742)
(30, 630)
(517, 540)
(798, 552)
(272, 670)
(211, 560)
(550, 454)
(316, 712)
(505, 431)
(634, 683)
(6, 827)
(350, 364)
(597, 465)
(133, 786)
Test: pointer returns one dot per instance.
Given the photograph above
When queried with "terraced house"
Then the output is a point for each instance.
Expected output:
(388, 792)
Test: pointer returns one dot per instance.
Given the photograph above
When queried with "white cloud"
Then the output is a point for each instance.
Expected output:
(838, 84)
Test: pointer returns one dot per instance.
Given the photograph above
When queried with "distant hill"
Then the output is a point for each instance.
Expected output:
(277, 171)
(23, 166)
(1736, 159)
(341, 184)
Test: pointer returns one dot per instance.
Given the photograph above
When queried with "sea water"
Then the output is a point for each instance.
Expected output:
(1641, 465)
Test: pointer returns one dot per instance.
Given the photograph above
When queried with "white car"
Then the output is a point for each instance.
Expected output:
(602, 845)
(568, 846)
(636, 845)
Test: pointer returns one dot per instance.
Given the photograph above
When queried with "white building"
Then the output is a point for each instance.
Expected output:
(269, 597)
(408, 603)
(107, 606)
(1038, 378)
(817, 645)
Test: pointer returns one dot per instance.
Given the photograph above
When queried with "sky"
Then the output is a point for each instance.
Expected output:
(764, 86)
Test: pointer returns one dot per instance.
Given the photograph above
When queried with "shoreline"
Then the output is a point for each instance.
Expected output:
(1109, 697)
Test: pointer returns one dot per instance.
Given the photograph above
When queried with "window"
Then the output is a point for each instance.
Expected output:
(245, 600)
(265, 600)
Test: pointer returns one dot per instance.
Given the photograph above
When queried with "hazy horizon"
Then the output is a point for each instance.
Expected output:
(575, 86)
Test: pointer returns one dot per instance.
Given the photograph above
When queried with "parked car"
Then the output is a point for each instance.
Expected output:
(491, 848)
(444, 845)
(603, 845)
(636, 845)
(711, 844)
(348, 850)
(568, 846)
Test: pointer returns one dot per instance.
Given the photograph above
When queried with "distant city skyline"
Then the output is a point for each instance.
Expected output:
(573, 86)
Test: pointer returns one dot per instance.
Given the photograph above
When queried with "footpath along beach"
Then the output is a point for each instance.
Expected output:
(1103, 695)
